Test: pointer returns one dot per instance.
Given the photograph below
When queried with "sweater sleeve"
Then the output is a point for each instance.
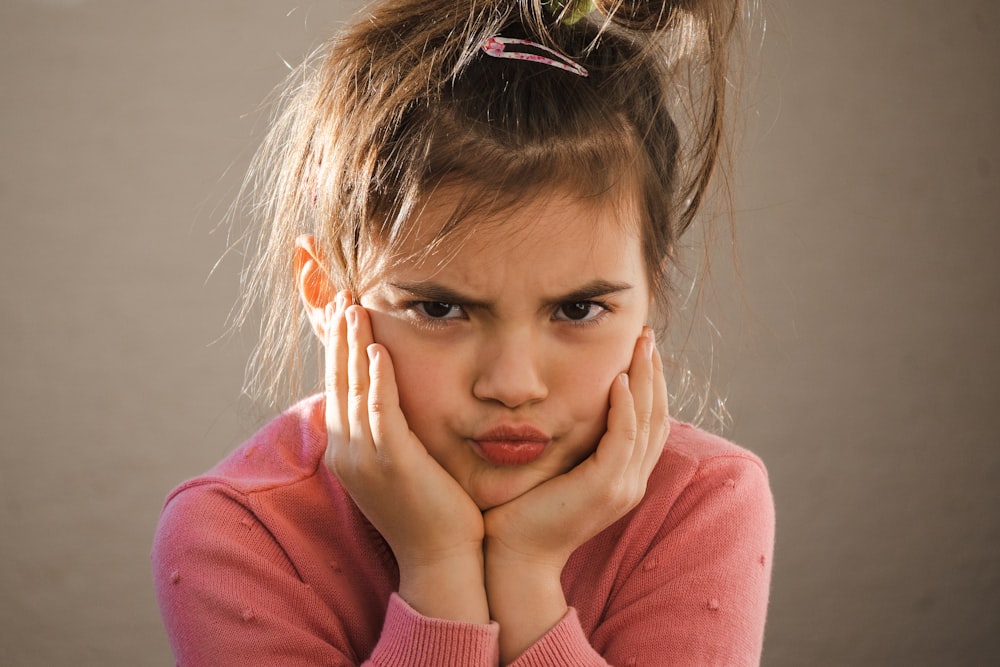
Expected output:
(698, 595)
(408, 638)
(230, 595)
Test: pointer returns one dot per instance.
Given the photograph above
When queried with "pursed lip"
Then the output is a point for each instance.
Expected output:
(511, 445)
(513, 433)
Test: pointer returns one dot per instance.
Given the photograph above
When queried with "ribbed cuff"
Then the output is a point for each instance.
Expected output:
(564, 644)
(409, 638)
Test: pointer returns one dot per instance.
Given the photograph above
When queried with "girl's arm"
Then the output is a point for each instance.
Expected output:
(227, 593)
(434, 528)
(530, 539)
(695, 590)
(236, 569)
(234, 588)
(683, 580)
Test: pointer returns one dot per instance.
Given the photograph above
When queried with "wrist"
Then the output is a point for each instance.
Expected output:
(508, 570)
(502, 551)
(525, 597)
(451, 587)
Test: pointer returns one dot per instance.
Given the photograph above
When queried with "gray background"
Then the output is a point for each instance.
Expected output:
(859, 347)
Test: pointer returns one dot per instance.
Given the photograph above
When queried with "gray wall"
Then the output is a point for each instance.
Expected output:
(860, 354)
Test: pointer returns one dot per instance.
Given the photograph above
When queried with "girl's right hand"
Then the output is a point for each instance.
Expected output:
(434, 528)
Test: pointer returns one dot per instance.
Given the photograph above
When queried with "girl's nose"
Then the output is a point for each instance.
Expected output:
(510, 371)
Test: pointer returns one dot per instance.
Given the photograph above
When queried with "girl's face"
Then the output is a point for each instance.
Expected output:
(505, 346)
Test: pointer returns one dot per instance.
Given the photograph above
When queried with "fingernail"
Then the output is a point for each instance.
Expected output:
(650, 341)
(339, 301)
(624, 379)
(352, 317)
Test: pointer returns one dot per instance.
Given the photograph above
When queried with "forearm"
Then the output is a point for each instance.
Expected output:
(525, 598)
(450, 588)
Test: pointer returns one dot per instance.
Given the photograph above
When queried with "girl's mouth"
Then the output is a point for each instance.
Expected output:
(511, 445)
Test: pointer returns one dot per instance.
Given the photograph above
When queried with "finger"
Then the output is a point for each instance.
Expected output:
(659, 416)
(335, 375)
(359, 337)
(614, 451)
(641, 381)
(388, 425)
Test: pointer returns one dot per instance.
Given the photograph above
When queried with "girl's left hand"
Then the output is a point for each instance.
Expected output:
(529, 539)
(549, 522)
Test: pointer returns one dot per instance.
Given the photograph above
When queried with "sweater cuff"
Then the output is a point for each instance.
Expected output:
(408, 638)
(564, 644)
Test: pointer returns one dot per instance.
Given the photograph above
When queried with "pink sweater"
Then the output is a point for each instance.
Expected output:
(265, 560)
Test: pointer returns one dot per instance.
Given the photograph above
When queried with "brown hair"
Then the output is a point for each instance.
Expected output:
(404, 101)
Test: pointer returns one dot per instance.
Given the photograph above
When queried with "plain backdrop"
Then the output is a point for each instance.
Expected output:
(858, 346)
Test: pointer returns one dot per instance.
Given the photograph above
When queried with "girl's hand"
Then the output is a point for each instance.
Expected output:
(529, 539)
(549, 522)
(434, 528)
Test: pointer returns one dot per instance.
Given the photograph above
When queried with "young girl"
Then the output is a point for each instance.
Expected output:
(474, 206)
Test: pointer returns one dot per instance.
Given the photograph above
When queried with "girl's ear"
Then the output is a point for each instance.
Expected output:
(313, 283)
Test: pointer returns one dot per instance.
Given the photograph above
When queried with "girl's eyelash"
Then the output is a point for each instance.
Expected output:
(424, 319)
(605, 309)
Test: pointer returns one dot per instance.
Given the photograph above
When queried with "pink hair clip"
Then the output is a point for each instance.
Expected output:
(500, 47)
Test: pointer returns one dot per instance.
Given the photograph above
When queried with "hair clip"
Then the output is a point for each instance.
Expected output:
(500, 47)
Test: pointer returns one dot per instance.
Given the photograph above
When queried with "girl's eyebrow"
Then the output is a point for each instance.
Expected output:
(592, 290)
(436, 292)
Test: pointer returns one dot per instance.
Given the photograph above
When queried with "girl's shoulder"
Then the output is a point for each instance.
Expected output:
(286, 450)
(699, 471)
(701, 447)
(271, 494)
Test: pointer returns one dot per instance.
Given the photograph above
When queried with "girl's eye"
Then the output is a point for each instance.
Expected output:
(438, 310)
(582, 311)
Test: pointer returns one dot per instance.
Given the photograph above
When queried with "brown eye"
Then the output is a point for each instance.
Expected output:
(439, 310)
(580, 311)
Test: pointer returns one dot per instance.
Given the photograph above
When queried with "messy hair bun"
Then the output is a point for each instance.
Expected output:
(639, 15)
(404, 101)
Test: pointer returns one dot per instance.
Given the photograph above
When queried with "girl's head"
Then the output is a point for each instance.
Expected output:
(404, 112)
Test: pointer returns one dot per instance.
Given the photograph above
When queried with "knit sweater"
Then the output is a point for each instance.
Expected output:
(265, 560)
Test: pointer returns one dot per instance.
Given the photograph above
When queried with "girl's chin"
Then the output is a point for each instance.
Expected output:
(489, 499)
(489, 491)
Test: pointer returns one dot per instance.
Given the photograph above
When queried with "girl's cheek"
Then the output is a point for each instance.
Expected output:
(423, 382)
(586, 385)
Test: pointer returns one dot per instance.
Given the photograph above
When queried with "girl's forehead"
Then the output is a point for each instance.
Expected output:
(556, 238)
(451, 219)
